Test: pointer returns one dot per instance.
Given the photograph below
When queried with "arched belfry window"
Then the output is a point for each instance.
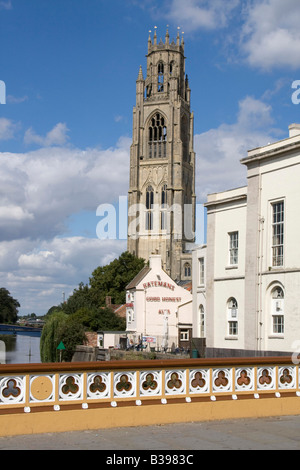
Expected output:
(160, 79)
(149, 208)
(172, 68)
(157, 137)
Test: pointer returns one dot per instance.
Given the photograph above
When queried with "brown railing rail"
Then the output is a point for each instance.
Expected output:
(141, 364)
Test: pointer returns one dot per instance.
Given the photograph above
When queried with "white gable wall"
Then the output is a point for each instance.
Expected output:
(159, 304)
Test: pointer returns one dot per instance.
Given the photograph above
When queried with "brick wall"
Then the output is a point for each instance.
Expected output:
(91, 339)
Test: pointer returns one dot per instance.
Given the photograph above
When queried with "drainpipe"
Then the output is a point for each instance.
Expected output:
(145, 312)
(259, 301)
(260, 313)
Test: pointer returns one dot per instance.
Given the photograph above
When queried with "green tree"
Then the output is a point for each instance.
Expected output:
(110, 321)
(71, 334)
(8, 307)
(60, 327)
(53, 309)
(50, 337)
(86, 308)
(111, 280)
(99, 319)
(80, 298)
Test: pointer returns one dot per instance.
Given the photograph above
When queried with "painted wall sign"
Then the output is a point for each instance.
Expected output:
(163, 299)
(167, 285)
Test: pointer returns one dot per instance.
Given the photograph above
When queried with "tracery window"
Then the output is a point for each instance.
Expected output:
(157, 137)
(149, 208)
(187, 270)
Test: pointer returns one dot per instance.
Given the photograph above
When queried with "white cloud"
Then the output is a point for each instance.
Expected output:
(267, 35)
(57, 136)
(201, 14)
(8, 129)
(270, 35)
(13, 213)
(15, 100)
(39, 191)
(37, 274)
(220, 150)
(6, 5)
(45, 186)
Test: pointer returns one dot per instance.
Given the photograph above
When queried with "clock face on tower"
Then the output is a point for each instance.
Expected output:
(162, 160)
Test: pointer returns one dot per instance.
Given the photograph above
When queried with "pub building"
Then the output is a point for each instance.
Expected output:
(158, 310)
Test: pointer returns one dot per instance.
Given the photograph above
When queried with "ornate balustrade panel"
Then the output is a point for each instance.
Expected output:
(136, 382)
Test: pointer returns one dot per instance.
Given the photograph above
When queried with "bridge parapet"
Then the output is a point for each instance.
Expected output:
(70, 396)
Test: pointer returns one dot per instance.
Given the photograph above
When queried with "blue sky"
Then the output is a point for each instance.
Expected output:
(70, 68)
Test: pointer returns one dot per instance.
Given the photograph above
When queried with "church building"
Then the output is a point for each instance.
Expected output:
(161, 198)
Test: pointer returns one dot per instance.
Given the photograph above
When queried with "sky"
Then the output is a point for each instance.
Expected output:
(70, 70)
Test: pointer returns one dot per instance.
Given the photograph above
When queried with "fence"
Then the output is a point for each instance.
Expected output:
(71, 396)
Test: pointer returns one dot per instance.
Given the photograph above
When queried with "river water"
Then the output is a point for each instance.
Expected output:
(21, 348)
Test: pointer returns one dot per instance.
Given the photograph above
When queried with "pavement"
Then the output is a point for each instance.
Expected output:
(280, 433)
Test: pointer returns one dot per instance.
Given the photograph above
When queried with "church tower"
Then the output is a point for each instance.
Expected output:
(161, 198)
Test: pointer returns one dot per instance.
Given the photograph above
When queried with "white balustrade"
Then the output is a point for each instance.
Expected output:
(137, 385)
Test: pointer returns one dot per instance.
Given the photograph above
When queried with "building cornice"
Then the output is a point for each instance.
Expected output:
(226, 200)
(271, 151)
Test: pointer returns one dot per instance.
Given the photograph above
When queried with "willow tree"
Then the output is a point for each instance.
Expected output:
(59, 328)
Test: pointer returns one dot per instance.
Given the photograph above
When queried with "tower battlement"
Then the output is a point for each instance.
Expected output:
(154, 45)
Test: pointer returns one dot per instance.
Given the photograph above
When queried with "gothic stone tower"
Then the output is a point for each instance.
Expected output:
(161, 198)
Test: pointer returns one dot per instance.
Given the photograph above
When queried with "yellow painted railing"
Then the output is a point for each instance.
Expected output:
(48, 390)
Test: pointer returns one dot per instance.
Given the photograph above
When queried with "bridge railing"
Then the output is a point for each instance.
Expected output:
(54, 387)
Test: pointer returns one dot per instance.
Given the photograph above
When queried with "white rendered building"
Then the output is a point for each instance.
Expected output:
(252, 269)
(199, 291)
(159, 311)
